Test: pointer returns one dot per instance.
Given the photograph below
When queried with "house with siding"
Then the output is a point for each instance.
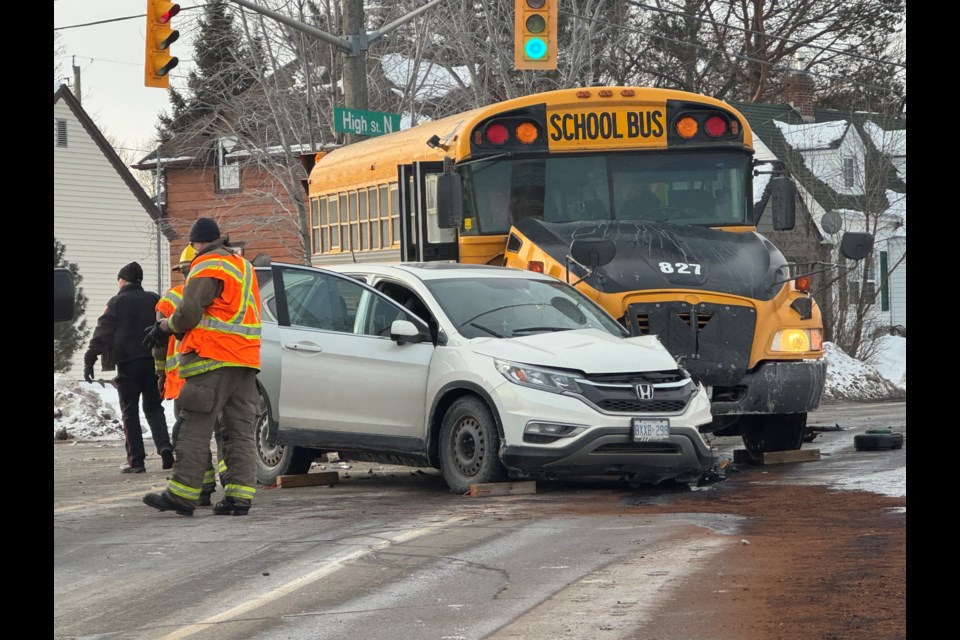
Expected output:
(101, 214)
(847, 181)
(252, 207)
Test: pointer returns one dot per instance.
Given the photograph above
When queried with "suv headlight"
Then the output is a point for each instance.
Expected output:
(537, 377)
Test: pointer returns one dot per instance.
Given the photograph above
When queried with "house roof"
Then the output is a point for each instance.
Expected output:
(766, 121)
(64, 93)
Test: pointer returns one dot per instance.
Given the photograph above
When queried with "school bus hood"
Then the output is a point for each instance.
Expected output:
(587, 350)
(660, 255)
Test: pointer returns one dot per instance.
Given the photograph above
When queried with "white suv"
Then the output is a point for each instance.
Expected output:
(485, 373)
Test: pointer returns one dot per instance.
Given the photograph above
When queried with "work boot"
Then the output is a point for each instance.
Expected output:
(205, 498)
(163, 502)
(231, 507)
(133, 470)
(167, 455)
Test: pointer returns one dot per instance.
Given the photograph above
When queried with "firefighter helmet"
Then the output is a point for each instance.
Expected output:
(186, 257)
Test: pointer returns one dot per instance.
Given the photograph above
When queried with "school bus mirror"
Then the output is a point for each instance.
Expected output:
(593, 252)
(856, 245)
(449, 201)
(63, 295)
(783, 194)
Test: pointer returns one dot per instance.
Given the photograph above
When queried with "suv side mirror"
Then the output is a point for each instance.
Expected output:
(404, 331)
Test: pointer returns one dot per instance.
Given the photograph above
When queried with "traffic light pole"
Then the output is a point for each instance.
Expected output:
(354, 45)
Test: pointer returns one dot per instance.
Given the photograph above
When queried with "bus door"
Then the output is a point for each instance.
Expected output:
(421, 239)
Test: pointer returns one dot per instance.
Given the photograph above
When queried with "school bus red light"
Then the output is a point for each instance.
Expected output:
(496, 134)
(535, 266)
(527, 132)
(715, 126)
(628, 93)
(687, 127)
(802, 283)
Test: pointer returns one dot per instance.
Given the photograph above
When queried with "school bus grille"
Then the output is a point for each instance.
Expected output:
(642, 322)
(712, 341)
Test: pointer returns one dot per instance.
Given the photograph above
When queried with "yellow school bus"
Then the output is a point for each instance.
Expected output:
(642, 198)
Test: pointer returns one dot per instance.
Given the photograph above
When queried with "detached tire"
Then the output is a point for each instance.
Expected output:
(878, 441)
(776, 432)
(469, 443)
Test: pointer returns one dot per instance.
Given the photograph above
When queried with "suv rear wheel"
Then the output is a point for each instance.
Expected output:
(468, 446)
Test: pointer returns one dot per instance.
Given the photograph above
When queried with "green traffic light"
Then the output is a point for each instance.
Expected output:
(535, 48)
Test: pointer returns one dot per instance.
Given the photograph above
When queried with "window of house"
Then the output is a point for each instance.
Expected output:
(315, 226)
(60, 133)
(228, 173)
(849, 171)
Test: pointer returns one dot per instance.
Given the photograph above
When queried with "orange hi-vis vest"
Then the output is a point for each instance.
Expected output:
(167, 305)
(228, 334)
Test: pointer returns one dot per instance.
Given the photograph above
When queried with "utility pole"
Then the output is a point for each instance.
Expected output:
(354, 45)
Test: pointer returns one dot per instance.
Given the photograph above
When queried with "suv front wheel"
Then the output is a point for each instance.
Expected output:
(277, 459)
(468, 446)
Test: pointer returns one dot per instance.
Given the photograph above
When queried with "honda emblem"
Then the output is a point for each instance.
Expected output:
(645, 391)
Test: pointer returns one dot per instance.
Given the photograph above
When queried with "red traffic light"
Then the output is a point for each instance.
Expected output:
(164, 17)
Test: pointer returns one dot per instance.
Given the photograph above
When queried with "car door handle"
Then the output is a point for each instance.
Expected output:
(304, 347)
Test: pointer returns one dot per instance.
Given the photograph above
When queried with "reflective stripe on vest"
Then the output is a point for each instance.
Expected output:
(173, 383)
(228, 333)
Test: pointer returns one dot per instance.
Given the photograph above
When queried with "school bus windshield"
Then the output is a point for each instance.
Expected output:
(691, 188)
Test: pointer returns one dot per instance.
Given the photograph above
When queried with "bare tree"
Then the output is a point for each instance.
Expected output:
(867, 192)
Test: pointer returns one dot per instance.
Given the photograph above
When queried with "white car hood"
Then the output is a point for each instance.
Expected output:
(589, 350)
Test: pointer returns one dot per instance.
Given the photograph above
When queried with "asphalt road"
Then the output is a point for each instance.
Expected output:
(389, 553)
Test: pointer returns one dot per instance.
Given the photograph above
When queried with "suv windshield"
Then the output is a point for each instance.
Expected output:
(512, 307)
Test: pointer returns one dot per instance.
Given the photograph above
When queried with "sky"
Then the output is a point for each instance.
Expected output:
(91, 412)
(110, 57)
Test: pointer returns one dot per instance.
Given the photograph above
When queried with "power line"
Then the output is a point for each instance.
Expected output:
(109, 20)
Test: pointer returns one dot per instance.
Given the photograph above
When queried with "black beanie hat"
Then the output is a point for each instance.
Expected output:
(133, 272)
(204, 230)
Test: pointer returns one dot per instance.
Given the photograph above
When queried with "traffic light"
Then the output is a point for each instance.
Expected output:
(157, 61)
(535, 34)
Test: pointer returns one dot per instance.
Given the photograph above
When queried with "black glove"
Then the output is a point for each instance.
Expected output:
(88, 361)
(161, 382)
(155, 336)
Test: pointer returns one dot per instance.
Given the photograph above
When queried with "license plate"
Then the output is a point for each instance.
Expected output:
(647, 430)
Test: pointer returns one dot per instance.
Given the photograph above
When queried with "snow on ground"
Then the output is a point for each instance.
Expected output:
(89, 411)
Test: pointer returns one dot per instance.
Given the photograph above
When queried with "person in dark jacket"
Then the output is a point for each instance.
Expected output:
(119, 341)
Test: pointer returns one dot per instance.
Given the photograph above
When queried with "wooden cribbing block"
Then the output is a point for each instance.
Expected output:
(741, 456)
(308, 479)
(502, 488)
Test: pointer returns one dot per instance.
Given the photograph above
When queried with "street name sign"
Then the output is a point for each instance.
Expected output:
(364, 123)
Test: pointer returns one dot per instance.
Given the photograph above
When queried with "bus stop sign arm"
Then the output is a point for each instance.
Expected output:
(354, 44)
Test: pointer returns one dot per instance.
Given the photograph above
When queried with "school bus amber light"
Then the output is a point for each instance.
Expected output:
(526, 132)
(797, 340)
(686, 127)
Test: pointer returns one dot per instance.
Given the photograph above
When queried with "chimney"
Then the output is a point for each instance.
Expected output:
(799, 90)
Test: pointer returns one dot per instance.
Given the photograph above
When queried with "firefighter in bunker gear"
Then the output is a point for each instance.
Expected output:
(166, 364)
(218, 326)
